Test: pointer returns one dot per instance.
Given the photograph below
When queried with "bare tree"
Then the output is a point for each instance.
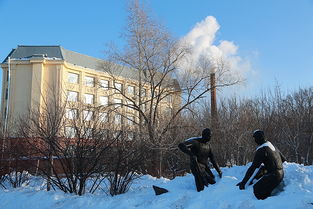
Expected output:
(151, 60)
(286, 120)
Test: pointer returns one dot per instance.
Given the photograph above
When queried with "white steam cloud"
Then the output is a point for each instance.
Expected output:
(201, 40)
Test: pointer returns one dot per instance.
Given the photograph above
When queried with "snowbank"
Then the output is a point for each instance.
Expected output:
(297, 194)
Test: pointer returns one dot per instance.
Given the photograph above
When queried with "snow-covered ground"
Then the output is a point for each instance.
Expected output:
(297, 194)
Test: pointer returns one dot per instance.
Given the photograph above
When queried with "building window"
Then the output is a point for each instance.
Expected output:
(169, 98)
(104, 133)
(72, 96)
(70, 132)
(104, 100)
(131, 90)
(118, 87)
(88, 115)
(72, 77)
(103, 117)
(70, 150)
(130, 106)
(117, 134)
(143, 92)
(117, 103)
(130, 120)
(130, 135)
(104, 84)
(118, 119)
(143, 107)
(89, 99)
(89, 81)
(71, 114)
(88, 133)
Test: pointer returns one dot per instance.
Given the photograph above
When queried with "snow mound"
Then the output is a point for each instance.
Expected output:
(297, 193)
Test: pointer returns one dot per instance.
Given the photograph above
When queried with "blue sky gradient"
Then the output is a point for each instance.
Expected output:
(275, 37)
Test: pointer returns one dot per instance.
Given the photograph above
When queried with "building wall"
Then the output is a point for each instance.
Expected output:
(50, 83)
(96, 90)
(40, 81)
(20, 89)
(31, 83)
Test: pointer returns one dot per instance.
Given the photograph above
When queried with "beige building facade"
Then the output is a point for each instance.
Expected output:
(34, 76)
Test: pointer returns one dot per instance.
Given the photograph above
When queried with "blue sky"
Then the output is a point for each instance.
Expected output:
(274, 38)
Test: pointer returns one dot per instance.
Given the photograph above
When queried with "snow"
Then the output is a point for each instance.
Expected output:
(296, 194)
(266, 144)
(28, 58)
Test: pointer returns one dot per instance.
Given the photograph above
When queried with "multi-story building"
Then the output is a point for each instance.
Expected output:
(34, 76)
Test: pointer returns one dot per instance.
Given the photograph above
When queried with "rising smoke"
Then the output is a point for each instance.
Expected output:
(201, 41)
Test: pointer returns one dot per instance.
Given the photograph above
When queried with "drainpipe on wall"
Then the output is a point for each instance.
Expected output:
(6, 119)
(7, 93)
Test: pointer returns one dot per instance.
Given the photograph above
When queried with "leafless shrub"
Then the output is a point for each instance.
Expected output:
(124, 161)
(16, 179)
(70, 150)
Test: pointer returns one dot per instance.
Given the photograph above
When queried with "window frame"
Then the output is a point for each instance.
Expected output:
(118, 119)
(130, 120)
(143, 92)
(106, 86)
(107, 100)
(69, 76)
(71, 134)
(118, 87)
(88, 115)
(69, 96)
(71, 113)
(91, 82)
(131, 92)
(85, 98)
(103, 117)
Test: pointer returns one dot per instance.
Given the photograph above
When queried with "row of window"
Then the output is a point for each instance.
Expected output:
(70, 132)
(89, 115)
(72, 96)
(104, 84)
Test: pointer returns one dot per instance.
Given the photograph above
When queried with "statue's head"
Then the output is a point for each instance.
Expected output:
(206, 134)
(258, 136)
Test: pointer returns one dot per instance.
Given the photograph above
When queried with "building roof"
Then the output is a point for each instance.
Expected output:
(26, 52)
(54, 52)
